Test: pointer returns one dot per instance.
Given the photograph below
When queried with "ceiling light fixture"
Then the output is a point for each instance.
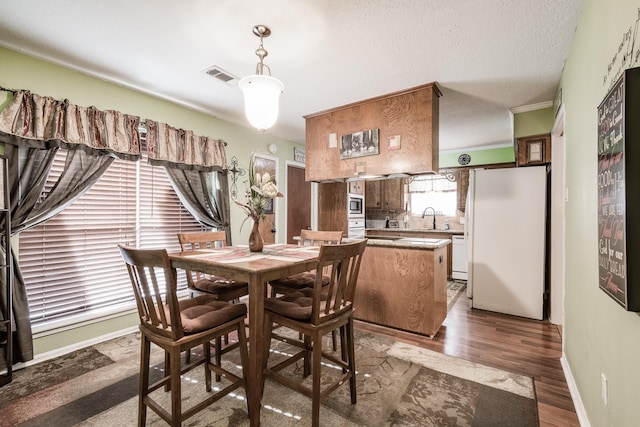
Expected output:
(261, 92)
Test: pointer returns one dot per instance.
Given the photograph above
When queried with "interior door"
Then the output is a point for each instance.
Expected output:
(298, 202)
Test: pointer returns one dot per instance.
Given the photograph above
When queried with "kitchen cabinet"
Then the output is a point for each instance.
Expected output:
(409, 117)
(397, 233)
(385, 194)
(533, 150)
(356, 187)
(332, 207)
(403, 288)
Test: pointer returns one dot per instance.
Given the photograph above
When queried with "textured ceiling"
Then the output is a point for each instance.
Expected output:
(488, 56)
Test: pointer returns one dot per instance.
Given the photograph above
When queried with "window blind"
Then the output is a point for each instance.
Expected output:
(71, 263)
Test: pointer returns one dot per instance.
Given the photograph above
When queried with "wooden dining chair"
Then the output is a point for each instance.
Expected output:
(296, 282)
(199, 283)
(177, 326)
(314, 312)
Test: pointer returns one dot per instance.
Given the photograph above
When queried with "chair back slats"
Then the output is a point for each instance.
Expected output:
(154, 287)
(201, 240)
(343, 261)
(317, 238)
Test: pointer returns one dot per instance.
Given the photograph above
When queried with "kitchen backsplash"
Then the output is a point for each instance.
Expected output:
(378, 220)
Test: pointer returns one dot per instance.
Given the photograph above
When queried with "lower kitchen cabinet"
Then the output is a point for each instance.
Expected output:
(399, 232)
(403, 288)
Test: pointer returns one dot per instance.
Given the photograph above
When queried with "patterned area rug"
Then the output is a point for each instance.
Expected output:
(454, 290)
(398, 384)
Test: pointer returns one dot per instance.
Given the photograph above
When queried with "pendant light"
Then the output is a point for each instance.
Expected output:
(261, 92)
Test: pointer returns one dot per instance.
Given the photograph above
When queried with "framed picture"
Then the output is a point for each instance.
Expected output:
(268, 164)
(359, 144)
(299, 154)
(534, 151)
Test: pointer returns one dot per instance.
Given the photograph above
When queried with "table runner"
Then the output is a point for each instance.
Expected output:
(233, 254)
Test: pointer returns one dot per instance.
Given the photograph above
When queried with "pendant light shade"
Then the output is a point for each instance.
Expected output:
(261, 92)
(261, 100)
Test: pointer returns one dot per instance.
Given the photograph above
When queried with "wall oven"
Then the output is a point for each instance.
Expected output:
(356, 229)
(355, 206)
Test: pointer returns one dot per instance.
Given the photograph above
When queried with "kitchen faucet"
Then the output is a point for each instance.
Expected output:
(424, 213)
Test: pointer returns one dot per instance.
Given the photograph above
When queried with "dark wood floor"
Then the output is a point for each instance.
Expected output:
(523, 346)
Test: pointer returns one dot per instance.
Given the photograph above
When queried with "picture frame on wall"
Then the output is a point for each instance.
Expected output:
(359, 144)
(264, 163)
(534, 152)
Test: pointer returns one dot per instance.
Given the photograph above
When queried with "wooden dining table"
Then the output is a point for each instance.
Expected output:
(257, 268)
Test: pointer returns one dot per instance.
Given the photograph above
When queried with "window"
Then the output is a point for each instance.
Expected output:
(71, 264)
(435, 191)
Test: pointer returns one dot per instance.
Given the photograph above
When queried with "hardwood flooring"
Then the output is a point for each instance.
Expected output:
(515, 344)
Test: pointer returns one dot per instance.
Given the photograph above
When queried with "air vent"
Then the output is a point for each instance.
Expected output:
(222, 75)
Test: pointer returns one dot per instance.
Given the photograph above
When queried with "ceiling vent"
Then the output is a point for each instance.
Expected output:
(222, 75)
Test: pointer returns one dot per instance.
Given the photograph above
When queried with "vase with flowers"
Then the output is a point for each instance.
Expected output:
(259, 196)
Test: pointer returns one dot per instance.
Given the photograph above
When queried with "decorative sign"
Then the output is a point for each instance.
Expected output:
(299, 154)
(615, 135)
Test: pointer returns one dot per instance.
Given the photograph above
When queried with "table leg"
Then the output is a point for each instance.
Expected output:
(254, 377)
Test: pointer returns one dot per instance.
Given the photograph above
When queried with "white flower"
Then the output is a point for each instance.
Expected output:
(270, 190)
(265, 178)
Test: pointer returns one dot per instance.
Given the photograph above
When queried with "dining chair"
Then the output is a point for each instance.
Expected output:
(176, 326)
(199, 283)
(296, 282)
(220, 287)
(314, 312)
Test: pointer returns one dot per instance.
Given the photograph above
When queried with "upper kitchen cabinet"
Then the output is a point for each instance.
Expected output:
(356, 187)
(385, 194)
(406, 141)
(533, 150)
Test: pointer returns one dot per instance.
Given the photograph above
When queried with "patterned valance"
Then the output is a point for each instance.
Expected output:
(179, 148)
(42, 122)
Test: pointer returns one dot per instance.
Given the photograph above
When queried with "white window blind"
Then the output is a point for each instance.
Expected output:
(71, 263)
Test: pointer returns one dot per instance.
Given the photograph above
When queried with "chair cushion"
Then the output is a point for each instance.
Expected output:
(299, 281)
(218, 285)
(205, 312)
(295, 305)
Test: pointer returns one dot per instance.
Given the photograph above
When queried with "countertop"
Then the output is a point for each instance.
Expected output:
(416, 230)
(407, 242)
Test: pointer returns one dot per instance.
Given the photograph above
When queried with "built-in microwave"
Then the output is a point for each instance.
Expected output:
(355, 205)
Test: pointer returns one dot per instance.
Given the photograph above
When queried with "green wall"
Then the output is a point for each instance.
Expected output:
(533, 122)
(18, 71)
(479, 157)
(599, 336)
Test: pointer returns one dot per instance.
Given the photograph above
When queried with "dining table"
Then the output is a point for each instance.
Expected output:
(257, 269)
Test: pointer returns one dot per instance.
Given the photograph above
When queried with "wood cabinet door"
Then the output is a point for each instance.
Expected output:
(373, 200)
(394, 194)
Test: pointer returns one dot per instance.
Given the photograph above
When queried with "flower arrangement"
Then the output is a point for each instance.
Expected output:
(261, 189)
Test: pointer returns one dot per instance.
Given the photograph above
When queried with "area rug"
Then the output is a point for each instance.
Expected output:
(454, 290)
(398, 385)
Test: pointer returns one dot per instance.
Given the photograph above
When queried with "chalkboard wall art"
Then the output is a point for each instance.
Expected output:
(618, 189)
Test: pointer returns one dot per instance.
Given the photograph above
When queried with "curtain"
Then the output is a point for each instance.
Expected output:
(206, 201)
(33, 128)
(197, 169)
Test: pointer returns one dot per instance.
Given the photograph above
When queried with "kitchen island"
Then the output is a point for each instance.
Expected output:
(402, 284)
(399, 233)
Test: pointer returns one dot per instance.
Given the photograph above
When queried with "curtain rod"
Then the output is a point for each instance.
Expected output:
(4, 89)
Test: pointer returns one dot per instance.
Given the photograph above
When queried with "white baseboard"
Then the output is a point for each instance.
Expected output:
(575, 394)
(73, 347)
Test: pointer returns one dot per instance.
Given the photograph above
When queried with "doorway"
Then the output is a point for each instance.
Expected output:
(298, 215)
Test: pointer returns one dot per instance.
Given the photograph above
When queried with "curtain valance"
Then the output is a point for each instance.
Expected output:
(181, 149)
(40, 122)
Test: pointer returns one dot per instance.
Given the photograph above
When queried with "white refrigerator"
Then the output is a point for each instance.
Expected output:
(505, 229)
